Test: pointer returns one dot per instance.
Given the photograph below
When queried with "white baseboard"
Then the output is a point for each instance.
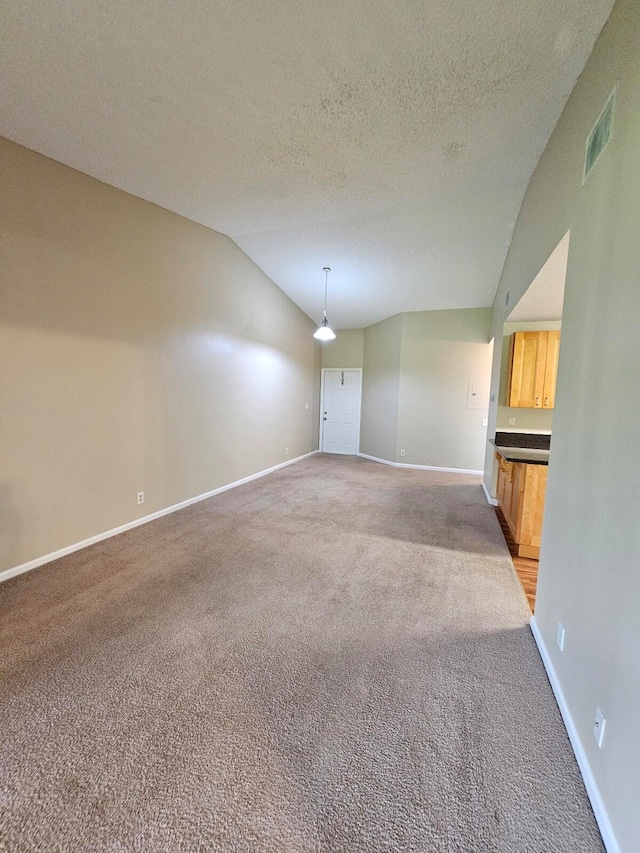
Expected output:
(599, 810)
(420, 467)
(99, 537)
(490, 500)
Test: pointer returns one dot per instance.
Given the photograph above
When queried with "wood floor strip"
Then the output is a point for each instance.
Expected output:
(526, 568)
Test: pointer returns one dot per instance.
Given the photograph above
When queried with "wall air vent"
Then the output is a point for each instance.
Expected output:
(599, 137)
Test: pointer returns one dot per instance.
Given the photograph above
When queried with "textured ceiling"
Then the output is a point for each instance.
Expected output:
(390, 139)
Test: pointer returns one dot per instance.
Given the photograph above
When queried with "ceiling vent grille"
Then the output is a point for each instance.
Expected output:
(599, 137)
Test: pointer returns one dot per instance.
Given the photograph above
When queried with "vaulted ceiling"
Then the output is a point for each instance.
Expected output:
(390, 139)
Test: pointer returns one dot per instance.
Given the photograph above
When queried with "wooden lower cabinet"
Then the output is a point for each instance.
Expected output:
(521, 493)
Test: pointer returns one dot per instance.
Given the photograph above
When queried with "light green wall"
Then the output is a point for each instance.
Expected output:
(380, 388)
(589, 568)
(138, 352)
(417, 369)
(346, 351)
(526, 419)
(442, 351)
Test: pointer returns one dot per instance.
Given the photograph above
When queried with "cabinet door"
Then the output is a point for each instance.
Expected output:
(500, 483)
(505, 491)
(528, 364)
(532, 505)
(551, 370)
(517, 489)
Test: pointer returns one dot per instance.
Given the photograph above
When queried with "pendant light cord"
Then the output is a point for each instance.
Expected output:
(326, 270)
(324, 331)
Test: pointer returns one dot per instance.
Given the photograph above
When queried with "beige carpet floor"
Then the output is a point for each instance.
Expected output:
(335, 657)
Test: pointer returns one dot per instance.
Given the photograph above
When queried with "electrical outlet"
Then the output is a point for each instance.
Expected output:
(512, 421)
(598, 727)
(402, 453)
(560, 636)
(306, 405)
(286, 451)
(485, 422)
(140, 497)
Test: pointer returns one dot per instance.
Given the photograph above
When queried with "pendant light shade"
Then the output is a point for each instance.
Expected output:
(325, 332)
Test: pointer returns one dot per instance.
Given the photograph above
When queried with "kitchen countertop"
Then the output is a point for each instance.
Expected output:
(530, 455)
(530, 448)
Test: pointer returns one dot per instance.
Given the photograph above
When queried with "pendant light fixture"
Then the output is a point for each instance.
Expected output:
(325, 332)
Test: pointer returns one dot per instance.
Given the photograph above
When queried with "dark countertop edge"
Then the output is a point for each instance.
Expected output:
(504, 452)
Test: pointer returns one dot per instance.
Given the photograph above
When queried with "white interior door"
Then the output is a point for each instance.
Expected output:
(341, 411)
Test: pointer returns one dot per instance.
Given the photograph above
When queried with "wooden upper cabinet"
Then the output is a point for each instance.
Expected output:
(551, 370)
(533, 368)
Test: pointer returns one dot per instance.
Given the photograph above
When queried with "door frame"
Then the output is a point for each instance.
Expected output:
(321, 427)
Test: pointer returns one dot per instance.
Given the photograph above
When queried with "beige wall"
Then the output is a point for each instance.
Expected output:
(346, 351)
(589, 568)
(417, 369)
(526, 419)
(442, 352)
(380, 388)
(138, 352)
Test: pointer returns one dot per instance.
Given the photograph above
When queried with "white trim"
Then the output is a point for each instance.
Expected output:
(321, 427)
(421, 467)
(590, 783)
(70, 549)
(490, 500)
